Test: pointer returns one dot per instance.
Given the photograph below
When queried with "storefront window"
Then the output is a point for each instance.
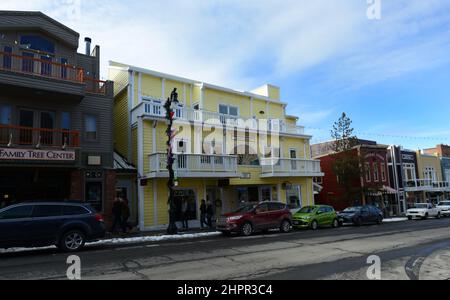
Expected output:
(94, 192)
(294, 197)
(189, 197)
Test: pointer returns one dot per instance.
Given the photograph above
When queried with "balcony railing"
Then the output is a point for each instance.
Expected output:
(426, 185)
(155, 109)
(47, 68)
(11, 136)
(281, 167)
(195, 165)
(40, 67)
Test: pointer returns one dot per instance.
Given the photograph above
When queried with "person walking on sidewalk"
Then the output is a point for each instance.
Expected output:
(209, 214)
(117, 214)
(203, 221)
(185, 214)
(125, 215)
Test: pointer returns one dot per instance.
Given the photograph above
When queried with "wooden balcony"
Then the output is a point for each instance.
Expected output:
(194, 166)
(13, 136)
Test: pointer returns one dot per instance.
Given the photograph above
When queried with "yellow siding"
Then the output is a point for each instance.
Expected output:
(121, 124)
(258, 106)
(148, 144)
(276, 111)
(151, 86)
(120, 78)
(170, 85)
(429, 161)
(213, 98)
(134, 136)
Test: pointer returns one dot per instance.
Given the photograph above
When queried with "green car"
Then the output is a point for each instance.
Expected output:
(315, 216)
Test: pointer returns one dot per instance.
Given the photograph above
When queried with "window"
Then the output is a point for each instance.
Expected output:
(5, 114)
(43, 211)
(262, 208)
(64, 67)
(383, 172)
(46, 66)
(276, 206)
(20, 212)
(38, 43)
(228, 111)
(368, 173)
(74, 211)
(294, 197)
(409, 172)
(27, 62)
(7, 58)
(430, 174)
(376, 177)
(94, 195)
(65, 121)
(91, 127)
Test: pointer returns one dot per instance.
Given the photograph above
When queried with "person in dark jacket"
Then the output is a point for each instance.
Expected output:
(209, 213)
(125, 215)
(117, 214)
(203, 221)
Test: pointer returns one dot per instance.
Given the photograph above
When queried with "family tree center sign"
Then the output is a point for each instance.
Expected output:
(32, 154)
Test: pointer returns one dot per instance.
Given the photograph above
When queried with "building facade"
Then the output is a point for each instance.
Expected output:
(231, 147)
(372, 187)
(55, 115)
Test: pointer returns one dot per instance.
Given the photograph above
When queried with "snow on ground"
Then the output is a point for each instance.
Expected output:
(125, 241)
(395, 220)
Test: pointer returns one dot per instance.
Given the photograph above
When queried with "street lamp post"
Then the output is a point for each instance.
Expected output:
(170, 114)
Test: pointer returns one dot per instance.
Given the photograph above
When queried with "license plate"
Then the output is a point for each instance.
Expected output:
(296, 223)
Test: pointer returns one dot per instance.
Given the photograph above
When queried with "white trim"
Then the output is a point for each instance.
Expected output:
(154, 146)
(155, 202)
(252, 114)
(141, 194)
(279, 193)
(139, 88)
(202, 97)
(130, 100)
(313, 202)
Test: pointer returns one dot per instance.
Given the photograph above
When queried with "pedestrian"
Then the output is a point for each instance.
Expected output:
(117, 214)
(185, 214)
(203, 221)
(125, 215)
(209, 214)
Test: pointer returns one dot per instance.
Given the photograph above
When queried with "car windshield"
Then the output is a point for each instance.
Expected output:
(420, 205)
(307, 210)
(352, 209)
(245, 209)
(445, 203)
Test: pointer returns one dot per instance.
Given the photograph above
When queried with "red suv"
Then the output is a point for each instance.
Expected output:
(260, 217)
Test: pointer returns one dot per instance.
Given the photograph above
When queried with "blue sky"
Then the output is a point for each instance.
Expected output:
(391, 76)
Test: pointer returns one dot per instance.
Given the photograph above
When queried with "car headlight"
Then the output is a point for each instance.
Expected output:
(235, 218)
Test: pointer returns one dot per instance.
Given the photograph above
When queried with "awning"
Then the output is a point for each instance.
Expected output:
(385, 190)
(121, 165)
(317, 188)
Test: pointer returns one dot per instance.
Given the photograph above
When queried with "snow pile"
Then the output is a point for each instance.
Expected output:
(391, 220)
(126, 241)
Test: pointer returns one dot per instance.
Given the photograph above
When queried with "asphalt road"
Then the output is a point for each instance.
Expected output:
(408, 250)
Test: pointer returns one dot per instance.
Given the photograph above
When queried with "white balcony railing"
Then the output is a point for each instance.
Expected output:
(155, 109)
(280, 167)
(426, 185)
(195, 165)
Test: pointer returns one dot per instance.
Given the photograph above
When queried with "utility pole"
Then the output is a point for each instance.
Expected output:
(170, 114)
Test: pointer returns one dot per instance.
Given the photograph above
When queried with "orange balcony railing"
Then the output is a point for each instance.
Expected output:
(40, 67)
(11, 135)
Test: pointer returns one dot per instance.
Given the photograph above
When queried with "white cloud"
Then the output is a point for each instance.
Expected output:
(245, 43)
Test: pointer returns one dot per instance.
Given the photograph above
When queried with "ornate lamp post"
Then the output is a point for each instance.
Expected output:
(170, 114)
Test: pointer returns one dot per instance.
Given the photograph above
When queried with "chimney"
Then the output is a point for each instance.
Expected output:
(88, 46)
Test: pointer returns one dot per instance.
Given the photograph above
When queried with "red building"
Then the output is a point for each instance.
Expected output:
(372, 187)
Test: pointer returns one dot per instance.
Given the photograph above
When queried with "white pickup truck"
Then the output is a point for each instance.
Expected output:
(444, 207)
(423, 211)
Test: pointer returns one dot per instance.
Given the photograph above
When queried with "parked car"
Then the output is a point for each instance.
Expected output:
(423, 211)
(67, 225)
(261, 217)
(444, 208)
(315, 216)
(360, 215)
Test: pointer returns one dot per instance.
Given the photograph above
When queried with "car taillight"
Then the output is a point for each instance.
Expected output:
(99, 218)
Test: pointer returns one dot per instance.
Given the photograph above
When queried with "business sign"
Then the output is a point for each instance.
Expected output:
(33, 154)
(408, 157)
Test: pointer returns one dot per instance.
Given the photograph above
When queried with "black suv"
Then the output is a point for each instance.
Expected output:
(67, 225)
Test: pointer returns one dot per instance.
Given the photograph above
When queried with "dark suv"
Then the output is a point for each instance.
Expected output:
(260, 217)
(67, 225)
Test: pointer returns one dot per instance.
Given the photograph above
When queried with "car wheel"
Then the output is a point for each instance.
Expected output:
(285, 226)
(426, 217)
(247, 229)
(359, 221)
(438, 216)
(314, 225)
(72, 241)
(380, 220)
(335, 223)
(410, 218)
